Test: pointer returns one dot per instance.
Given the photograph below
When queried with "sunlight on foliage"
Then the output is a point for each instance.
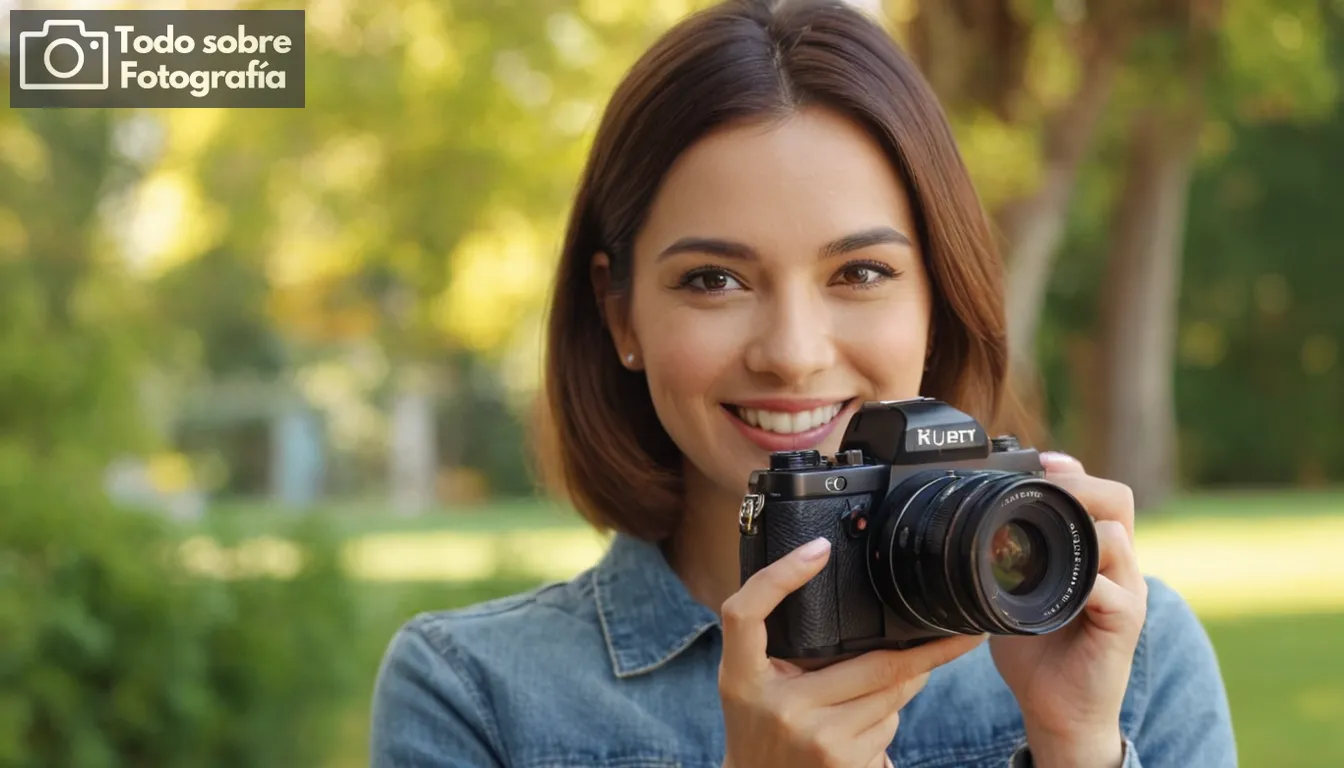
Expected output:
(498, 273)
(191, 131)
(346, 163)
(1319, 353)
(1276, 54)
(23, 151)
(1215, 140)
(433, 60)
(170, 472)
(1003, 159)
(328, 23)
(13, 235)
(1052, 69)
(171, 221)
(309, 247)
(1202, 344)
(520, 364)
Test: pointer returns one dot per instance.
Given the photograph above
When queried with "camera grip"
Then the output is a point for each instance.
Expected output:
(807, 620)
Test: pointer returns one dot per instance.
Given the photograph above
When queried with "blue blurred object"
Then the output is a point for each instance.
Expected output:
(298, 455)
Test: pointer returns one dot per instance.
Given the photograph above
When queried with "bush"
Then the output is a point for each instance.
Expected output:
(113, 653)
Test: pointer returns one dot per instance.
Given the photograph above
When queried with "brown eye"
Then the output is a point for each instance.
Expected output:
(864, 274)
(710, 281)
(859, 275)
(714, 281)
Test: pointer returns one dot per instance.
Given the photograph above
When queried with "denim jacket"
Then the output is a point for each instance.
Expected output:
(619, 667)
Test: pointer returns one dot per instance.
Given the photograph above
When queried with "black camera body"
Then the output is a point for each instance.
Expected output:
(936, 529)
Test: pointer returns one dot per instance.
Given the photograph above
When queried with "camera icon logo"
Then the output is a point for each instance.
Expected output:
(55, 73)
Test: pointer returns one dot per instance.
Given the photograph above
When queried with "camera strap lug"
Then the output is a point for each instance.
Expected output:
(749, 514)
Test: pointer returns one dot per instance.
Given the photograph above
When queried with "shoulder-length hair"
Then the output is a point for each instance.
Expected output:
(600, 442)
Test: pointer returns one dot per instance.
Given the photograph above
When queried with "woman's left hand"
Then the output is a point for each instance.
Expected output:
(1070, 683)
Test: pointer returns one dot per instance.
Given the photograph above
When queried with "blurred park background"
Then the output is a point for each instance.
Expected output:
(266, 375)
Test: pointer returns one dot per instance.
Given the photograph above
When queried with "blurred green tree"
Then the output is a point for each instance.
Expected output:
(418, 199)
(1051, 91)
(1157, 326)
(115, 651)
(69, 319)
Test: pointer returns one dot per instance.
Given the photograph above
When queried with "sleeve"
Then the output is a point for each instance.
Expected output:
(1022, 757)
(1185, 719)
(427, 713)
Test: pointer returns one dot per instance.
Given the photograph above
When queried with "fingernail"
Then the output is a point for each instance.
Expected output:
(814, 548)
(1058, 460)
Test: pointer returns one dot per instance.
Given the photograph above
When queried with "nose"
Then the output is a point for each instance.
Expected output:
(792, 341)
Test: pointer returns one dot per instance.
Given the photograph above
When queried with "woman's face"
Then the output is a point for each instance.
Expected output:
(777, 285)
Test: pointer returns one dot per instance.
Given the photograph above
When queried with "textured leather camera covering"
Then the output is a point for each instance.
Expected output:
(751, 554)
(859, 608)
(809, 617)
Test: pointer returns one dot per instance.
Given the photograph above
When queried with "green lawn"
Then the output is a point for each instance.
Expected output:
(1257, 566)
(355, 518)
(1285, 679)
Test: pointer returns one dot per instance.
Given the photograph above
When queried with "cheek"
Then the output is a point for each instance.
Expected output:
(687, 354)
(887, 348)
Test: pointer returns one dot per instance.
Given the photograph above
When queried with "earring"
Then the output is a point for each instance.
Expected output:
(630, 358)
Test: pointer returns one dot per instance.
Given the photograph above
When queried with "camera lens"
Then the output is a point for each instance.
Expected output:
(1017, 557)
(971, 551)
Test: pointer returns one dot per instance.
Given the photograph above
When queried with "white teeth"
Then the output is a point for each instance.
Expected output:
(786, 423)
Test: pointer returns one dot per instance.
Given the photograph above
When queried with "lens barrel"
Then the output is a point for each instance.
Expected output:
(972, 551)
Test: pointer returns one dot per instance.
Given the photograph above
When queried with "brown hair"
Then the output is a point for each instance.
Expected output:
(601, 443)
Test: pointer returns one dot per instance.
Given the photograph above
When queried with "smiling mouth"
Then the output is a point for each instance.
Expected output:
(787, 422)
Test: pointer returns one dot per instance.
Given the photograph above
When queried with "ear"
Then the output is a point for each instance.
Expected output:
(615, 309)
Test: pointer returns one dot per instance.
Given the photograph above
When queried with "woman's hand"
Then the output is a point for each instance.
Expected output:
(846, 714)
(1070, 683)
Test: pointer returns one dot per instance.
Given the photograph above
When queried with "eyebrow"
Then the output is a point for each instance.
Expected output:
(735, 250)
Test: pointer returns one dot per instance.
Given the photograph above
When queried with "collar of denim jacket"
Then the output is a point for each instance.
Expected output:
(648, 617)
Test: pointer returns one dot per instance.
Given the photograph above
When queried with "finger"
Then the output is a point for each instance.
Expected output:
(878, 670)
(1112, 608)
(870, 746)
(1117, 559)
(743, 614)
(869, 710)
(1103, 499)
(1056, 462)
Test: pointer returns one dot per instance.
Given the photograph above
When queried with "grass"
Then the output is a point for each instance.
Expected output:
(1285, 681)
(1247, 503)
(369, 516)
(1262, 569)
(250, 518)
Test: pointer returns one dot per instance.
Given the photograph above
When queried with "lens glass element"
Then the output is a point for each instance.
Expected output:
(982, 550)
(1018, 557)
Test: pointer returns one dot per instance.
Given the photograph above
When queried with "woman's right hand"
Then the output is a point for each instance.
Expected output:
(776, 713)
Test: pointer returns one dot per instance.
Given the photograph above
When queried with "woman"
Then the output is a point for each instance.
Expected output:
(775, 226)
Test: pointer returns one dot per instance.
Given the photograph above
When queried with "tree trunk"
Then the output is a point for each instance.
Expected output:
(1033, 226)
(1140, 302)
(942, 39)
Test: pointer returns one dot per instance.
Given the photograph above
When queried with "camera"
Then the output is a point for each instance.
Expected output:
(936, 529)
(64, 56)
